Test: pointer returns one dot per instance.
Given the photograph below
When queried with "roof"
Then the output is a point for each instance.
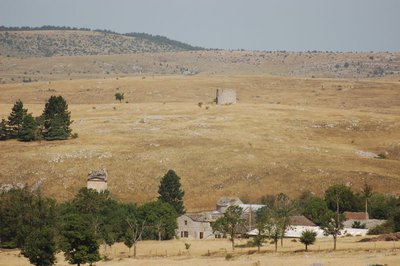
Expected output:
(252, 207)
(206, 216)
(228, 201)
(355, 215)
(98, 175)
(300, 220)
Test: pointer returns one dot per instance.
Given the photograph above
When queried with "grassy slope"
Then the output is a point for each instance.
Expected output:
(285, 134)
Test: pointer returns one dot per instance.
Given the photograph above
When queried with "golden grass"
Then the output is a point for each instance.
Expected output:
(284, 135)
(213, 252)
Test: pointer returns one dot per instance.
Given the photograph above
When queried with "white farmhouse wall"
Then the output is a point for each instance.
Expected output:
(187, 228)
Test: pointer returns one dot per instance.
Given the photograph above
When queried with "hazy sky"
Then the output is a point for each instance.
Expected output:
(338, 25)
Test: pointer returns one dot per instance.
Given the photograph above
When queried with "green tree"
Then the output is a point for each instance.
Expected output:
(128, 241)
(315, 210)
(4, 130)
(308, 238)
(21, 211)
(170, 191)
(160, 220)
(283, 208)
(40, 247)
(366, 193)
(273, 224)
(79, 242)
(119, 96)
(230, 223)
(57, 119)
(340, 198)
(332, 225)
(134, 225)
(16, 117)
(28, 131)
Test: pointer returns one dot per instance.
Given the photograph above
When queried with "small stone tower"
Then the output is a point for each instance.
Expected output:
(225, 96)
(97, 180)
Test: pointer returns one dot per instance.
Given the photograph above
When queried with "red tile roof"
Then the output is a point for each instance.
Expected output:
(355, 215)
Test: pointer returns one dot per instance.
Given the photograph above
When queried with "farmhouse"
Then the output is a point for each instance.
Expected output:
(197, 225)
(97, 180)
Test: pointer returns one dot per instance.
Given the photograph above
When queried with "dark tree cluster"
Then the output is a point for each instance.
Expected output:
(53, 124)
(41, 227)
(326, 212)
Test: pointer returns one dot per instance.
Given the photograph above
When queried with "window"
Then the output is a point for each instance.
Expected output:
(185, 222)
(185, 234)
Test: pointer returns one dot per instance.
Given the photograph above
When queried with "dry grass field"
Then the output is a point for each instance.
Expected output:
(213, 252)
(285, 134)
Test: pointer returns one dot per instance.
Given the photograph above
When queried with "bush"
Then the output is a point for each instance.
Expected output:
(381, 229)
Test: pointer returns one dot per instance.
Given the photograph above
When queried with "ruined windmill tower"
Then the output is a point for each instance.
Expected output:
(97, 180)
(225, 96)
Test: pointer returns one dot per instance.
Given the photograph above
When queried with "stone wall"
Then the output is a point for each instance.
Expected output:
(226, 96)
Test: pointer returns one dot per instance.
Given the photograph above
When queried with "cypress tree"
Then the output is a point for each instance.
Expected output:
(16, 117)
(57, 119)
(170, 191)
(28, 131)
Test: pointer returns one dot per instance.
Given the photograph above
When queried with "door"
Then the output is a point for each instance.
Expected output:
(201, 235)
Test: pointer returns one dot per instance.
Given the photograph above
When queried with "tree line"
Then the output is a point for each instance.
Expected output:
(273, 220)
(41, 227)
(53, 124)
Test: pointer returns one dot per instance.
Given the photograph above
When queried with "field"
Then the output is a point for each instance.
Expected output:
(286, 134)
(213, 252)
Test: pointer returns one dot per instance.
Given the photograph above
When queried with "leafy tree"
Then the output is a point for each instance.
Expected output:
(382, 206)
(340, 198)
(315, 210)
(57, 119)
(40, 247)
(128, 241)
(283, 208)
(308, 238)
(332, 225)
(396, 221)
(160, 219)
(230, 222)
(21, 211)
(366, 193)
(79, 242)
(260, 237)
(134, 225)
(119, 96)
(16, 117)
(28, 131)
(273, 224)
(170, 191)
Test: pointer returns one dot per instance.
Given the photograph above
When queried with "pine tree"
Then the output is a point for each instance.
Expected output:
(170, 191)
(16, 117)
(28, 131)
(56, 130)
(4, 132)
(57, 119)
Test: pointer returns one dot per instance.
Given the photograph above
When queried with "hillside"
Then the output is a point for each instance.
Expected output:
(81, 42)
(284, 135)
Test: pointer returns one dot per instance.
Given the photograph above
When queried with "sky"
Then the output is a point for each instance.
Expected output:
(292, 25)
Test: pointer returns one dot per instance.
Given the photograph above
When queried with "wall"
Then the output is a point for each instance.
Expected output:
(193, 228)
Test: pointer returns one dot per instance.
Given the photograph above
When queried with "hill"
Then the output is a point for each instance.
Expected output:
(65, 41)
(284, 135)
